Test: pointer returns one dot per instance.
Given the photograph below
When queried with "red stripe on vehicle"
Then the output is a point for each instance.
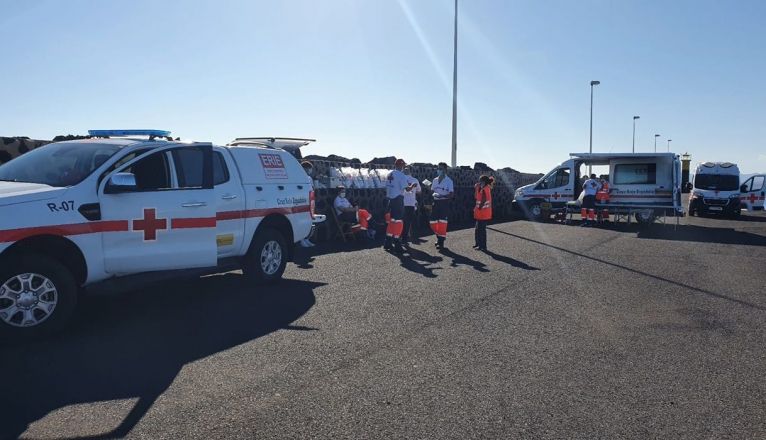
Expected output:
(641, 196)
(11, 235)
(192, 223)
(251, 213)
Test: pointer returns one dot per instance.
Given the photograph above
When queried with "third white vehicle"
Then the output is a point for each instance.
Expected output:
(716, 190)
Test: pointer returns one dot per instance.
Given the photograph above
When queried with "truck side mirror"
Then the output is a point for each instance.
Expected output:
(121, 182)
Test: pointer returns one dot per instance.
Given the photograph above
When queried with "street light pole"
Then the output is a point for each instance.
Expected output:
(634, 132)
(655, 142)
(590, 150)
(669, 145)
(454, 96)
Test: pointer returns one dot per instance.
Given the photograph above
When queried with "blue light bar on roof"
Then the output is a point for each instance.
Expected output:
(108, 133)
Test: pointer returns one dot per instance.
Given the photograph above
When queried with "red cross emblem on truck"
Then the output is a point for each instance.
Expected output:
(556, 195)
(753, 198)
(150, 224)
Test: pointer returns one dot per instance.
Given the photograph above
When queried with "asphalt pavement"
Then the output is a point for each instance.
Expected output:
(557, 332)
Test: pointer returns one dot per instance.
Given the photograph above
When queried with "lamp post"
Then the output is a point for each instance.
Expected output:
(454, 96)
(655, 142)
(634, 132)
(590, 150)
(669, 140)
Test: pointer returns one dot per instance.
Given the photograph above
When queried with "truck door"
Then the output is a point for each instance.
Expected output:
(230, 205)
(163, 212)
(753, 193)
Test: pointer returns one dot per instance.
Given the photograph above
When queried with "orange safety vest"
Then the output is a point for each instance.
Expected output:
(603, 194)
(483, 208)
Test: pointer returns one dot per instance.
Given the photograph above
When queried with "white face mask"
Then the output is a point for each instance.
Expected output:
(343, 195)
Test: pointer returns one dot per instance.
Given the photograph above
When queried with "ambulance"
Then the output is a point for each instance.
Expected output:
(647, 185)
(131, 205)
(716, 190)
(752, 193)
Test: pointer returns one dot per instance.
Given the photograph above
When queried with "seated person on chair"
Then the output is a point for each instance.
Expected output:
(347, 212)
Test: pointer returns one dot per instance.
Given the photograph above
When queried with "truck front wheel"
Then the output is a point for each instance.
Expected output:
(37, 297)
(266, 260)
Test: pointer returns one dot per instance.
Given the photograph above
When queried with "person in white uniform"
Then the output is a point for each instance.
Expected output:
(444, 191)
(396, 184)
(410, 205)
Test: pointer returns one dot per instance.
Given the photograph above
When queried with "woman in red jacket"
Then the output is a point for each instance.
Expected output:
(482, 211)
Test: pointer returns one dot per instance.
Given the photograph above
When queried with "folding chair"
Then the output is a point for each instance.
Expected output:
(344, 229)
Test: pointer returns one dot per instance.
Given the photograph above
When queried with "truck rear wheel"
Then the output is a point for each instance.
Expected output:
(266, 260)
(37, 297)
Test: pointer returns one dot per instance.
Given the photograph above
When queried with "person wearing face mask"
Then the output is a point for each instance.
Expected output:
(482, 211)
(410, 205)
(396, 185)
(444, 191)
(347, 212)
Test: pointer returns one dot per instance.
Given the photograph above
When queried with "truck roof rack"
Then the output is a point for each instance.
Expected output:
(283, 143)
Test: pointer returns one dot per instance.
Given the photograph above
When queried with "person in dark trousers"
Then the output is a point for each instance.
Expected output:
(443, 191)
(482, 211)
(396, 185)
(410, 206)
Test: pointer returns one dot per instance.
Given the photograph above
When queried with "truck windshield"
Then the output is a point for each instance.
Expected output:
(720, 182)
(59, 164)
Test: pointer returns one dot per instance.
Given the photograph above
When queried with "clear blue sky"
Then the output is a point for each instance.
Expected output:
(373, 77)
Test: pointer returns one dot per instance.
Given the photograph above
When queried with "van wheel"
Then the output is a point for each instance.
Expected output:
(645, 217)
(266, 260)
(534, 211)
(37, 297)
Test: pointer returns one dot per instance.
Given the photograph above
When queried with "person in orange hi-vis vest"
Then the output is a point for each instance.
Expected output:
(482, 211)
(602, 198)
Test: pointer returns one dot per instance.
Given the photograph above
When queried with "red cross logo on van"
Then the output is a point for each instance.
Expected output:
(556, 195)
(150, 224)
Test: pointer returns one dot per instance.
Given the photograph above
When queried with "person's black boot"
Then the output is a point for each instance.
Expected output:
(387, 244)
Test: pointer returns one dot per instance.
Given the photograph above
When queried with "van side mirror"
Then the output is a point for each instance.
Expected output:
(121, 182)
(743, 188)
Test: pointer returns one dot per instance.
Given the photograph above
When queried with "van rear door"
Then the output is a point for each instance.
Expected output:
(753, 192)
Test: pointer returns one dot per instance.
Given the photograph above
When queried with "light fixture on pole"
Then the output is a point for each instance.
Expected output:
(634, 132)
(590, 150)
(655, 142)
(669, 145)
(454, 96)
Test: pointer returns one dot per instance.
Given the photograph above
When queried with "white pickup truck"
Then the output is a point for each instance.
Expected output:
(134, 204)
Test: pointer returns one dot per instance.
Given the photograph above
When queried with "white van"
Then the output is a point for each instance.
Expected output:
(716, 189)
(753, 193)
(647, 184)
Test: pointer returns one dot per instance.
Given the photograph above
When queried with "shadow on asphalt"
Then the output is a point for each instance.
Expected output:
(133, 345)
(638, 272)
(462, 260)
(694, 233)
(510, 261)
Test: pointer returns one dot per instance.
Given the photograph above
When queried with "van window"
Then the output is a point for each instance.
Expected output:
(757, 184)
(719, 182)
(557, 179)
(635, 174)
